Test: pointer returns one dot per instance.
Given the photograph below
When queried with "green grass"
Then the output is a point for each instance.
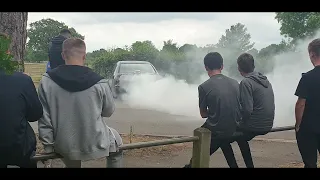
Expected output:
(35, 71)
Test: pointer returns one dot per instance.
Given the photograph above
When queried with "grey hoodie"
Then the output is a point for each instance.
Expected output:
(75, 100)
(257, 101)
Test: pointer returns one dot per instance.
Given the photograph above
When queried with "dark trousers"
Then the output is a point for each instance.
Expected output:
(243, 142)
(308, 144)
(225, 144)
(24, 162)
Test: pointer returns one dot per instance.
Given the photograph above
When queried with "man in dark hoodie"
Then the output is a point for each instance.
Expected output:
(20, 105)
(75, 99)
(257, 102)
(55, 48)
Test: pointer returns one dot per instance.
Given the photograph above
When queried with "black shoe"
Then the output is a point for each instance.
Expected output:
(187, 166)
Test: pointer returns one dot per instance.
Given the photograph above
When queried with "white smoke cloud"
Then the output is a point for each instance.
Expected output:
(180, 98)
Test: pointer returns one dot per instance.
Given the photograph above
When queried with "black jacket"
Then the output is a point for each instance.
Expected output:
(55, 49)
(19, 104)
(257, 102)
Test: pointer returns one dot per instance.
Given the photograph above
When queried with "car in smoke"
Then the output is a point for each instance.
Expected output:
(124, 72)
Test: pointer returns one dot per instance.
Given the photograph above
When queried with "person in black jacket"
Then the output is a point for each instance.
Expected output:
(19, 105)
(55, 48)
(257, 103)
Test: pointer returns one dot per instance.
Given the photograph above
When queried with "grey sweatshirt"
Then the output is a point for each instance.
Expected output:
(75, 100)
(257, 101)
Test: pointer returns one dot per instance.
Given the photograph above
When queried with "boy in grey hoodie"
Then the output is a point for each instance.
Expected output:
(75, 100)
(257, 103)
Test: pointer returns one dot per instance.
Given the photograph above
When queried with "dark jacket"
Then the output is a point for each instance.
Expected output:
(55, 49)
(257, 102)
(19, 104)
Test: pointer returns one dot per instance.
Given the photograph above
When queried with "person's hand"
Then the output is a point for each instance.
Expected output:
(297, 127)
(47, 163)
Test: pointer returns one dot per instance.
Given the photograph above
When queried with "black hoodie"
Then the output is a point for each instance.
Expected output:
(55, 50)
(19, 104)
(257, 101)
(74, 78)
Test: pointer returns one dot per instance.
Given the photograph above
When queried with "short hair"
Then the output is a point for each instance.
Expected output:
(213, 61)
(65, 31)
(73, 47)
(314, 47)
(246, 63)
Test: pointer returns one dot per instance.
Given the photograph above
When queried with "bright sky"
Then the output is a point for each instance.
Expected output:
(106, 30)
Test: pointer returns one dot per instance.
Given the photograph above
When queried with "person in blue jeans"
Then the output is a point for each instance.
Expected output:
(48, 68)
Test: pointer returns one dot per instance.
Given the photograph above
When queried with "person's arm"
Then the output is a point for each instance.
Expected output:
(34, 107)
(302, 93)
(108, 102)
(246, 100)
(203, 106)
(45, 127)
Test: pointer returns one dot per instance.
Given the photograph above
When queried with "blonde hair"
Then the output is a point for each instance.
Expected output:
(73, 47)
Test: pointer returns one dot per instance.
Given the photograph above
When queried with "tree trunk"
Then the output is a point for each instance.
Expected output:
(15, 25)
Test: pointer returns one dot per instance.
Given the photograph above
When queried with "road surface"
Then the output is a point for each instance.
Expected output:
(153, 122)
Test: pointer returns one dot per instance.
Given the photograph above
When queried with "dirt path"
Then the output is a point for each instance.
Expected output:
(265, 154)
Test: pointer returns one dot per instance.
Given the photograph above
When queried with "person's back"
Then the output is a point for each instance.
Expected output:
(75, 101)
(257, 105)
(219, 104)
(311, 115)
(257, 97)
(223, 104)
(19, 104)
(307, 109)
(55, 49)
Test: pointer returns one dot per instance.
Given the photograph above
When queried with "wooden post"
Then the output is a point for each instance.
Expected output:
(201, 148)
(131, 134)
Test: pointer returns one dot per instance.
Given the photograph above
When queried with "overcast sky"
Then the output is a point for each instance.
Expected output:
(106, 30)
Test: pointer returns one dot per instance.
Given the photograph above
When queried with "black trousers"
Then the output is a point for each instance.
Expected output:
(243, 142)
(225, 144)
(308, 144)
(24, 162)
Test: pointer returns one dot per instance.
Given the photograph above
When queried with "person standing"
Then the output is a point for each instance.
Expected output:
(55, 48)
(219, 103)
(257, 103)
(20, 105)
(307, 109)
(75, 99)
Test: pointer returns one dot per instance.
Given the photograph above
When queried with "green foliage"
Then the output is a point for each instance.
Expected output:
(186, 62)
(6, 59)
(298, 25)
(40, 34)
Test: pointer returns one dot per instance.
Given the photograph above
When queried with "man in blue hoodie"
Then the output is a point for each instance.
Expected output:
(257, 103)
(55, 48)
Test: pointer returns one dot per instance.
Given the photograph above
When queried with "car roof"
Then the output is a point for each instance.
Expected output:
(134, 62)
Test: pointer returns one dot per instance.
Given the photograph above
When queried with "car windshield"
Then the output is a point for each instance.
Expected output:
(133, 68)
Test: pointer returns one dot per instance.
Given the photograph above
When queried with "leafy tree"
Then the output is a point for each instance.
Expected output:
(298, 25)
(40, 33)
(235, 41)
(6, 59)
(144, 51)
(236, 38)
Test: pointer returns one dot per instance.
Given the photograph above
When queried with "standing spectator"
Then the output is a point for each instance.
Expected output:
(55, 48)
(219, 103)
(257, 102)
(19, 105)
(307, 109)
(75, 99)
